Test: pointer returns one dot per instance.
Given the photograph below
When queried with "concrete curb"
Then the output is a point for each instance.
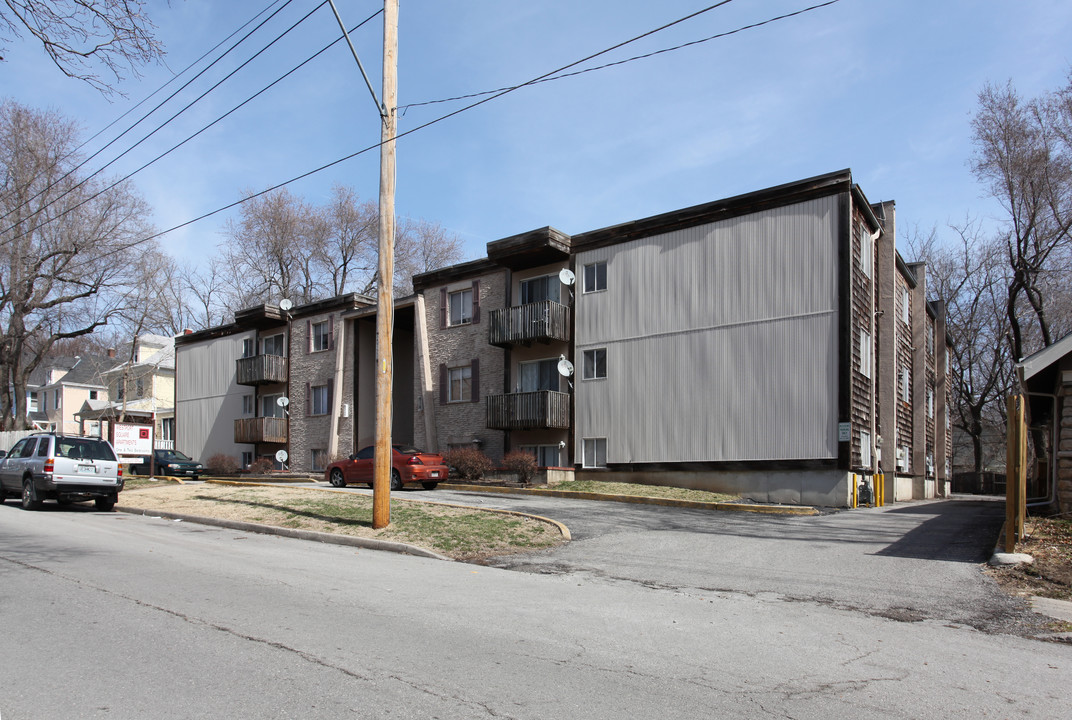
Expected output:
(350, 540)
(639, 500)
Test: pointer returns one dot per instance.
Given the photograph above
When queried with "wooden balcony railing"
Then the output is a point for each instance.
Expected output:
(542, 409)
(260, 430)
(261, 370)
(544, 321)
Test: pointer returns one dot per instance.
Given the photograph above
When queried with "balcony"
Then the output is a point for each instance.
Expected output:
(543, 321)
(539, 410)
(260, 430)
(261, 370)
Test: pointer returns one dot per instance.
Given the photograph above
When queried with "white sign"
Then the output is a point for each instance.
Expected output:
(133, 440)
(844, 432)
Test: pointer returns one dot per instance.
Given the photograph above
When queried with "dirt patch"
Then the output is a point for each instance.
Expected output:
(1049, 542)
(461, 533)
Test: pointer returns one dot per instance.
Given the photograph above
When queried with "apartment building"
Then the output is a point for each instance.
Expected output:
(295, 379)
(773, 344)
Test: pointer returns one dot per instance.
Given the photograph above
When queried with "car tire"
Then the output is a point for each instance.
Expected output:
(337, 480)
(429, 485)
(105, 504)
(30, 501)
(396, 480)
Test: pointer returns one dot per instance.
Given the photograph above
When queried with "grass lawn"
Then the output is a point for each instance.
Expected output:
(459, 533)
(653, 491)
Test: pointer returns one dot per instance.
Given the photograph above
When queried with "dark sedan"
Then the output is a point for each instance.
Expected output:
(171, 463)
(408, 465)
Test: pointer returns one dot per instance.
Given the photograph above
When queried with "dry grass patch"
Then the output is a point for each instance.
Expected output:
(460, 533)
(1049, 542)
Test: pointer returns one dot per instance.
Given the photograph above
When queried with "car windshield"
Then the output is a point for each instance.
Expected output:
(83, 449)
(172, 456)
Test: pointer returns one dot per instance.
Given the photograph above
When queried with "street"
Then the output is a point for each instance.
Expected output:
(649, 611)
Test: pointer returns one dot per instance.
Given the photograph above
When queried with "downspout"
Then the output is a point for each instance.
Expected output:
(427, 396)
(871, 350)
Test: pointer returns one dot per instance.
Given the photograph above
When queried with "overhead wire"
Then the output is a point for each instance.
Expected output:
(146, 115)
(562, 76)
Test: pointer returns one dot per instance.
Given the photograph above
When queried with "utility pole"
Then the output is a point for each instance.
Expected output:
(385, 316)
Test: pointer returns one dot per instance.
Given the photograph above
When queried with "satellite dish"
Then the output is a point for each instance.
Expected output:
(282, 401)
(566, 276)
(565, 367)
(281, 456)
(285, 305)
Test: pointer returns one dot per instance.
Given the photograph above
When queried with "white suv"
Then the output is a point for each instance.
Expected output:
(63, 468)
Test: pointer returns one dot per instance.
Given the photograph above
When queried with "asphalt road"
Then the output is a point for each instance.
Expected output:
(113, 616)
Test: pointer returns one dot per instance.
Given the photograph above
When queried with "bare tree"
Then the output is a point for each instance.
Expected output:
(347, 252)
(422, 246)
(63, 261)
(81, 35)
(1024, 156)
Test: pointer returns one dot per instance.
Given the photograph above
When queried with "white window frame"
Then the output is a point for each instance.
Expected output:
(593, 285)
(320, 339)
(930, 404)
(463, 375)
(594, 354)
(282, 343)
(553, 285)
(249, 405)
(320, 402)
(249, 347)
(591, 450)
(906, 307)
(462, 317)
(522, 386)
(865, 449)
(269, 401)
(865, 353)
(906, 385)
(867, 259)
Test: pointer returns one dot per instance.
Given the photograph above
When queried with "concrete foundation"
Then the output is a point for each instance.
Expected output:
(823, 488)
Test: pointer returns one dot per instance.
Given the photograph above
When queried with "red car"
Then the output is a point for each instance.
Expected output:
(408, 465)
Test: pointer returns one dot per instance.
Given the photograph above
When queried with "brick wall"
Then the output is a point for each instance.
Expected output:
(310, 369)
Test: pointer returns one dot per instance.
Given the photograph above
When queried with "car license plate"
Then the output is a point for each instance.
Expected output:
(87, 468)
(435, 473)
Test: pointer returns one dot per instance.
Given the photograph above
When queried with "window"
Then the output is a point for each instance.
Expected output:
(248, 347)
(930, 338)
(460, 384)
(56, 399)
(594, 453)
(930, 404)
(546, 455)
(540, 289)
(120, 390)
(320, 402)
(28, 448)
(318, 459)
(865, 353)
(139, 388)
(595, 364)
(247, 459)
(461, 307)
(321, 336)
(906, 317)
(539, 375)
(92, 394)
(271, 408)
(273, 345)
(44, 401)
(866, 246)
(906, 385)
(247, 405)
(865, 449)
(595, 277)
(167, 429)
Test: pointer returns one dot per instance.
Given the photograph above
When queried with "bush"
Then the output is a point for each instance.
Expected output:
(521, 463)
(261, 466)
(468, 463)
(220, 464)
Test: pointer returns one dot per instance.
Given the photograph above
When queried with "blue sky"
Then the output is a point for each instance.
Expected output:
(884, 87)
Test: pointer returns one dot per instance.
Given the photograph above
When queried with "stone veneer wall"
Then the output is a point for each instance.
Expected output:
(459, 423)
(309, 369)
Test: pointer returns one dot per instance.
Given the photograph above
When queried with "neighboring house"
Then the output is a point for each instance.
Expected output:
(301, 381)
(62, 386)
(1046, 377)
(773, 344)
(140, 390)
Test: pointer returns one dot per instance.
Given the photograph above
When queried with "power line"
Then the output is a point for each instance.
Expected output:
(626, 60)
(146, 115)
(496, 94)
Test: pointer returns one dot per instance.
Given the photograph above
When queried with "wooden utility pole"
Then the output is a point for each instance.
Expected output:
(385, 315)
